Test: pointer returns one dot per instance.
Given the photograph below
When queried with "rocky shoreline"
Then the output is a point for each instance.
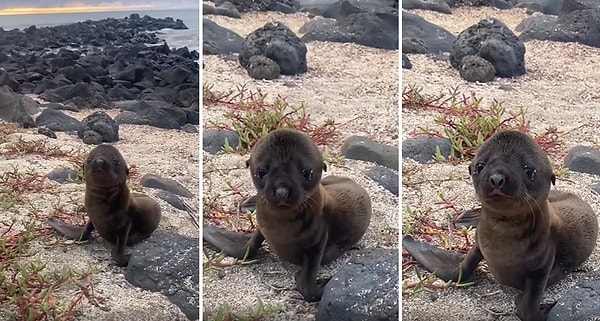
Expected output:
(110, 63)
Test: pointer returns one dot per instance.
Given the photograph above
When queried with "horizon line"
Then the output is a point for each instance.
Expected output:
(81, 9)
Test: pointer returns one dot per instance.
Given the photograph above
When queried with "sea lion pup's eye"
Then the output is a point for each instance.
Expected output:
(530, 172)
(307, 173)
(479, 167)
(260, 173)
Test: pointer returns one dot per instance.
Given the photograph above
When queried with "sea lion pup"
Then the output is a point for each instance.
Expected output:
(120, 217)
(305, 220)
(530, 237)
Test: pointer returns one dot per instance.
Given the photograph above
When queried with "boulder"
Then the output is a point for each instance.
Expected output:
(582, 26)
(218, 40)
(277, 42)
(435, 39)
(493, 41)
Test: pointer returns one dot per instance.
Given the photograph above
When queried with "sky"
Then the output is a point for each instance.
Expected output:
(63, 6)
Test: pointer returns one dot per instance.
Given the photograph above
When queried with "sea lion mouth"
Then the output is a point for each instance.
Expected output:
(98, 170)
(496, 196)
(499, 194)
(283, 206)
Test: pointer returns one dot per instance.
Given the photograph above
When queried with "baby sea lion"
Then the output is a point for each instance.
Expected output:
(120, 217)
(305, 220)
(530, 236)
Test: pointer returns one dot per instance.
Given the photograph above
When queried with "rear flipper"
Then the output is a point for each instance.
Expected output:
(248, 205)
(468, 218)
(72, 232)
(445, 264)
(238, 245)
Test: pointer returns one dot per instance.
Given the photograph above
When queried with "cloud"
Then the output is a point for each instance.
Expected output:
(150, 4)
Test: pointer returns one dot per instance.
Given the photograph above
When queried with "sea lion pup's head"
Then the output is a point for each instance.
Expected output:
(511, 173)
(286, 167)
(105, 167)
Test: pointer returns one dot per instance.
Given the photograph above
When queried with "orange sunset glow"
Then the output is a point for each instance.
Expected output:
(72, 9)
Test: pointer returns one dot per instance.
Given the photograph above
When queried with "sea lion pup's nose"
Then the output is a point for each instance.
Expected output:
(282, 192)
(497, 180)
(99, 161)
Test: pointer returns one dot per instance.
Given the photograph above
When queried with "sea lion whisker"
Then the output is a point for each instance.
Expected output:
(530, 201)
(311, 204)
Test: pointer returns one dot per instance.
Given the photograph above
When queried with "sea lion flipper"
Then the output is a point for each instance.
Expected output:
(445, 264)
(234, 244)
(468, 218)
(528, 301)
(248, 205)
(118, 250)
(70, 231)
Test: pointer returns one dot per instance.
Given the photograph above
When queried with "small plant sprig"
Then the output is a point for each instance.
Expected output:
(15, 185)
(39, 147)
(253, 116)
(233, 217)
(27, 289)
(467, 123)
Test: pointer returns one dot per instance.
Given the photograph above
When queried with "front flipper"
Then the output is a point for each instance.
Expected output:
(306, 278)
(529, 301)
(446, 265)
(72, 232)
(118, 250)
(234, 244)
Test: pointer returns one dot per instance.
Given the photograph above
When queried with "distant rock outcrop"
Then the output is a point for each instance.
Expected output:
(65, 66)
(582, 26)
(367, 22)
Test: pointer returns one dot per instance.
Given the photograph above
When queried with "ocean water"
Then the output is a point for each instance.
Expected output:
(174, 38)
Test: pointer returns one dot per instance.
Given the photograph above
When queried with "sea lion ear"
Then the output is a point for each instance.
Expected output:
(248, 163)
(127, 171)
(470, 171)
(324, 167)
(553, 179)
